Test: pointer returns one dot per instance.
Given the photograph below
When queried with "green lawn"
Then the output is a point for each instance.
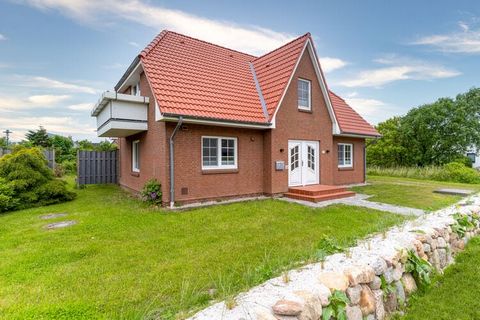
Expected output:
(124, 260)
(453, 295)
(411, 192)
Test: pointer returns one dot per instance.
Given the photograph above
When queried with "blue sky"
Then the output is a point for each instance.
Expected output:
(383, 57)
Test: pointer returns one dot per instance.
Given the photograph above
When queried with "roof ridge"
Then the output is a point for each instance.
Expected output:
(211, 43)
(282, 46)
(153, 43)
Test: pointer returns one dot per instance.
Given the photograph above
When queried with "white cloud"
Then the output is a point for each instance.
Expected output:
(252, 39)
(134, 44)
(329, 64)
(31, 102)
(2, 37)
(43, 82)
(399, 68)
(365, 107)
(81, 107)
(60, 125)
(466, 40)
(114, 66)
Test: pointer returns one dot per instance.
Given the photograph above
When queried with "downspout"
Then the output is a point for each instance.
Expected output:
(172, 162)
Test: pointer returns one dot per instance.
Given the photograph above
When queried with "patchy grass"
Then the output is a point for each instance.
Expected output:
(411, 192)
(453, 295)
(125, 260)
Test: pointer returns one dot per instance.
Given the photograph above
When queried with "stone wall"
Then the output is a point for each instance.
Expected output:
(358, 273)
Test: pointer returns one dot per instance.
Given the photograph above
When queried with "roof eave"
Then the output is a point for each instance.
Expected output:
(215, 121)
(127, 73)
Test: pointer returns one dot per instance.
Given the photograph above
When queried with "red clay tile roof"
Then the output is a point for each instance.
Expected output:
(348, 119)
(195, 78)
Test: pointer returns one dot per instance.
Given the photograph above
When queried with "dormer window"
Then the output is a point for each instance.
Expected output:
(136, 89)
(304, 94)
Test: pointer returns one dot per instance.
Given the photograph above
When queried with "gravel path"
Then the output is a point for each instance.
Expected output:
(360, 200)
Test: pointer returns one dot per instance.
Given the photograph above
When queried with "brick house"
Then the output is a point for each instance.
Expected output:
(210, 122)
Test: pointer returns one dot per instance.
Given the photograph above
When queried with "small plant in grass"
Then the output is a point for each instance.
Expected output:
(230, 303)
(321, 256)
(336, 308)
(328, 245)
(420, 269)
(285, 277)
(152, 192)
(462, 224)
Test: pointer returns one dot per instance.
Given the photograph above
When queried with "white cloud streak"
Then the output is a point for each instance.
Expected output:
(365, 107)
(81, 107)
(2, 37)
(466, 40)
(396, 69)
(47, 83)
(31, 102)
(330, 64)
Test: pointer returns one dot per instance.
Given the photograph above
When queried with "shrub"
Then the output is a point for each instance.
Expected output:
(27, 181)
(70, 166)
(453, 171)
(152, 191)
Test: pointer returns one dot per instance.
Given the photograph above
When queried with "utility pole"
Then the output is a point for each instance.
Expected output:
(7, 133)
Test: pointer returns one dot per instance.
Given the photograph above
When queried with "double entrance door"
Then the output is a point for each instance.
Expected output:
(303, 162)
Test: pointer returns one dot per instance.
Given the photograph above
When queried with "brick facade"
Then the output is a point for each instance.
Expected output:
(257, 150)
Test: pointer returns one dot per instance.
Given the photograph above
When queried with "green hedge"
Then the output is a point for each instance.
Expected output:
(453, 171)
(26, 181)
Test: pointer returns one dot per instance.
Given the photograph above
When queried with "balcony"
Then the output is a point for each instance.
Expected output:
(120, 115)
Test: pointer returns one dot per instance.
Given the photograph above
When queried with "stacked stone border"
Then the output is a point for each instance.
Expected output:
(358, 273)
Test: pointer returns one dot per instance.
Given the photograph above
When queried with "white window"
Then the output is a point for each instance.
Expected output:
(219, 153)
(345, 155)
(136, 89)
(304, 94)
(136, 156)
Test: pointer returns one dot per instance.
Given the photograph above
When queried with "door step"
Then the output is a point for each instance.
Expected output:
(318, 193)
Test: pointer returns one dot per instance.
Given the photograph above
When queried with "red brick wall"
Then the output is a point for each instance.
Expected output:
(350, 175)
(292, 124)
(248, 179)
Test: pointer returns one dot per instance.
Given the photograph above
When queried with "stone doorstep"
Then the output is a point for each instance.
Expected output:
(348, 274)
(456, 192)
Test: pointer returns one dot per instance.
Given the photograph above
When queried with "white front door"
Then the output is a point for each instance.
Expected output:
(303, 162)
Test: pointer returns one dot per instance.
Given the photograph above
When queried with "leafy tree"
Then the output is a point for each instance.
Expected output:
(64, 148)
(85, 145)
(106, 146)
(39, 138)
(432, 134)
(3, 143)
(387, 151)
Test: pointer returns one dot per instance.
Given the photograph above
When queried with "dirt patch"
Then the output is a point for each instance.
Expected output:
(52, 216)
(61, 224)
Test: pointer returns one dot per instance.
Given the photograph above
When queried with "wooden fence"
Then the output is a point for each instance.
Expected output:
(97, 167)
(48, 153)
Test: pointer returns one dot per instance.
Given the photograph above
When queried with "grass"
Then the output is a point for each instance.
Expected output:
(454, 295)
(125, 260)
(411, 192)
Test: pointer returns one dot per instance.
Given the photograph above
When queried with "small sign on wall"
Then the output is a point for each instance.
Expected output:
(279, 165)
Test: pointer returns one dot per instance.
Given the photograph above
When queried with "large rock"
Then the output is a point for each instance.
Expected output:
(397, 272)
(367, 301)
(409, 284)
(334, 281)
(426, 248)
(379, 307)
(375, 284)
(353, 293)
(442, 257)
(391, 302)
(263, 314)
(441, 243)
(388, 275)
(312, 309)
(354, 313)
(359, 275)
(287, 308)
(435, 260)
(323, 294)
(379, 266)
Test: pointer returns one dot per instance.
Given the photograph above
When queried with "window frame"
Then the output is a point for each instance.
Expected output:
(135, 89)
(470, 154)
(219, 165)
(309, 107)
(136, 148)
(344, 165)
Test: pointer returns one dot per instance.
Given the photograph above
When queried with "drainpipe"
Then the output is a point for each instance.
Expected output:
(172, 168)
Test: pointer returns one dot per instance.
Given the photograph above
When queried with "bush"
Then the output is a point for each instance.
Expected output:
(453, 171)
(152, 191)
(70, 166)
(27, 181)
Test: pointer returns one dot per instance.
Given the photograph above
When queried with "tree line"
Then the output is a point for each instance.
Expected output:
(432, 134)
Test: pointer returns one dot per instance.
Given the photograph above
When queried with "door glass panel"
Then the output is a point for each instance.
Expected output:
(294, 158)
(311, 158)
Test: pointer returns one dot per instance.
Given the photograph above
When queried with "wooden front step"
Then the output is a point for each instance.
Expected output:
(317, 193)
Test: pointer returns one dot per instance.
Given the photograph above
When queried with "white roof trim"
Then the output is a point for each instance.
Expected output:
(108, 96)
(127, 79)
(321, 80)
